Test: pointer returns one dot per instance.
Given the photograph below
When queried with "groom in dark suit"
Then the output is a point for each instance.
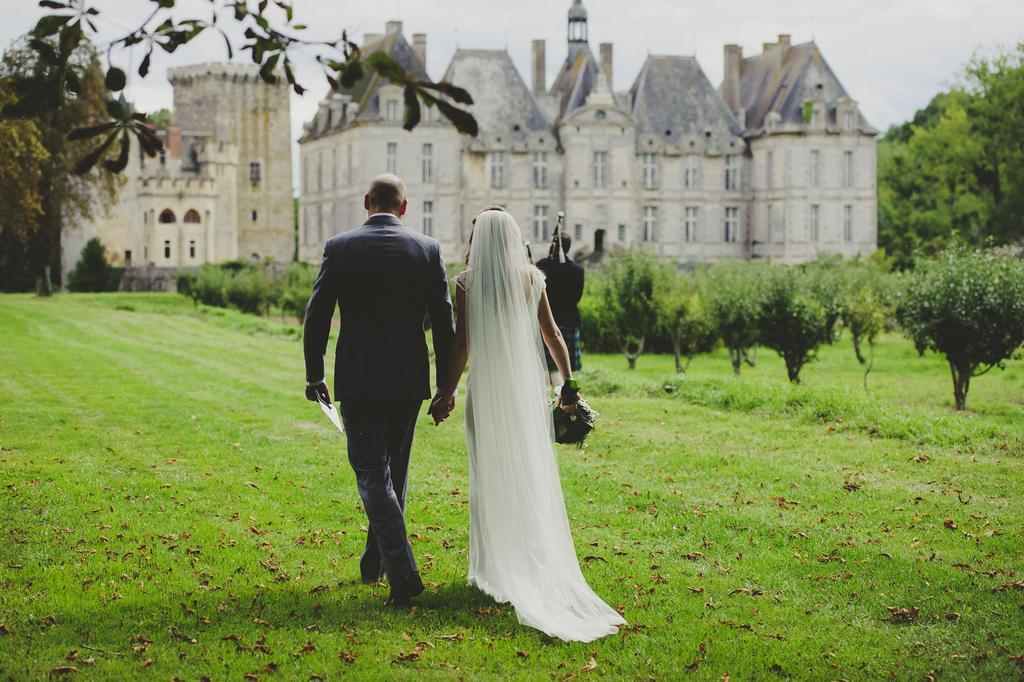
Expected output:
(386, 279)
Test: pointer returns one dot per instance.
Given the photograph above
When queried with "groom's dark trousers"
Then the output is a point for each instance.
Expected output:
(386, 280)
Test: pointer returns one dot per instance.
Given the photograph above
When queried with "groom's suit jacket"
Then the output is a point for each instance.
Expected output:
(386, 279)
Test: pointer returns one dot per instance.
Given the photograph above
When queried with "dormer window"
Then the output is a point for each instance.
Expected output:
(848, 121)
(815, 117)
(601, 115)
(392, 108)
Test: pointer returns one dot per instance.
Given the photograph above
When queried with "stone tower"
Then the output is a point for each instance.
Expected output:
(242, 128)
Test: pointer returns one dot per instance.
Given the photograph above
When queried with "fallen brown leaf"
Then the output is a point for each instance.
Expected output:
(902, 615)
(348, 656)
(64, 670)
(308, 647)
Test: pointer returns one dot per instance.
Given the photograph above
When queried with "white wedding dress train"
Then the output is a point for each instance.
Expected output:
(520, 546)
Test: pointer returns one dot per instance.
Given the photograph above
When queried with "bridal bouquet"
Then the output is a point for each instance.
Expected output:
(575, 427)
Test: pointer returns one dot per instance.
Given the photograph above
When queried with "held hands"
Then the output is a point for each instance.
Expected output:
(318, 393)
(441, 406)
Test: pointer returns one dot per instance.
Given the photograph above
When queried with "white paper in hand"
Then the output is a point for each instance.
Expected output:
(332, 414)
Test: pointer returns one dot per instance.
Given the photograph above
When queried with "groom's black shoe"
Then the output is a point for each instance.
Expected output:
(404, 589)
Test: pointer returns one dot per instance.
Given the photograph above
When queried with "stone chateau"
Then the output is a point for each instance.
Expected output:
(776, 163)
(221, 190)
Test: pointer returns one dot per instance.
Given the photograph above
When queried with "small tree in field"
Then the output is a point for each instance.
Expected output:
(732, 296)
(969, 306)
(865, 307)
(93, 272)
(792, 321)
(629, 296)
(684, 319)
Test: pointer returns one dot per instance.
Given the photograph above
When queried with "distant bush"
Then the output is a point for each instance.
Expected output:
(296, 286)
(93, 272)
(969, 306)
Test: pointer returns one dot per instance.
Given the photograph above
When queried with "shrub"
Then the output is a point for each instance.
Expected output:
(732, 293)
(629, 300)
(251, 291)
(969, 306)
(684, 318)
(792, 321)
(93, 272)
(296, 287)
(865, 307)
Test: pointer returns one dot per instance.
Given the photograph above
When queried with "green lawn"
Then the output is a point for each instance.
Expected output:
(170, 506)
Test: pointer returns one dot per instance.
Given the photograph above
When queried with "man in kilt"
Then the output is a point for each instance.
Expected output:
(565, 289)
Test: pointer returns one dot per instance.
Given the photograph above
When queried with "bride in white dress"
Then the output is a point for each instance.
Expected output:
(520, 546)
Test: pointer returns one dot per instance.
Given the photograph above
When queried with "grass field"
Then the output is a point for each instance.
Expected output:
(171, 507)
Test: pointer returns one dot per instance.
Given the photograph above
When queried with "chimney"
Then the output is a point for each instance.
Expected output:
(731, 80)
(785, 42)
(393, 27)
(772, 55)
(419, 47)
(540, 80)
(369, 38)
(606, 63)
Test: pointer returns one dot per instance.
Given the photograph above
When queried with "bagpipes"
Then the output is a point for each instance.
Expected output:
(557, 241)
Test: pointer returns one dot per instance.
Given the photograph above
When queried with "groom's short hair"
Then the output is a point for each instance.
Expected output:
(386, 193)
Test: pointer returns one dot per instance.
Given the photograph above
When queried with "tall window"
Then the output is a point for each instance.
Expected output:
(428, 162)
(815, 117)
(771, 224)
(577, 232)
(167, 249)
(191, 248)
(769, 170)
(497, 170)
(334, 167)
(428, 218)
(650, 224)
(540, 223)
(732, 172)
(319, 172)
(732, 223)
(690, 224)
(848, 120)
(848, 223)
(600, 169)
(815, 168)
(650, 171)
(348, 169)
(255, 172)
(128, 258)
(848, 169)
(622, 232)
(540, 170)
(392, 157)
(815, 226)
(392, 111)
(691, 171)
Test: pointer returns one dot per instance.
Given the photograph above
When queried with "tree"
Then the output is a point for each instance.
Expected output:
(683, 318)
(969, 306)
(270, 36)
(64, 196)
(792, 321)
(93, 272)
(733, 295)
(629, 299)
(865, 308)
(22, 159)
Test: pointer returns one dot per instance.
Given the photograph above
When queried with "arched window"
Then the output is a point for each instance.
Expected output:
(192, 216)
(167, 216)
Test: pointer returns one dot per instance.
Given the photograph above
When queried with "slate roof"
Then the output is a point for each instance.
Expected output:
(671, 93)
(765, 88)
(501, 100)
(576, 79)
(364, 92)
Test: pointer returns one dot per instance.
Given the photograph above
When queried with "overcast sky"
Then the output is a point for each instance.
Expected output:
(892, 55)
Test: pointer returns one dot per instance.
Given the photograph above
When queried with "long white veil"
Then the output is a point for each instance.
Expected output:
(521, 549)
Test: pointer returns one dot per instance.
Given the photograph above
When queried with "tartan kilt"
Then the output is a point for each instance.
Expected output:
(572, 342)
